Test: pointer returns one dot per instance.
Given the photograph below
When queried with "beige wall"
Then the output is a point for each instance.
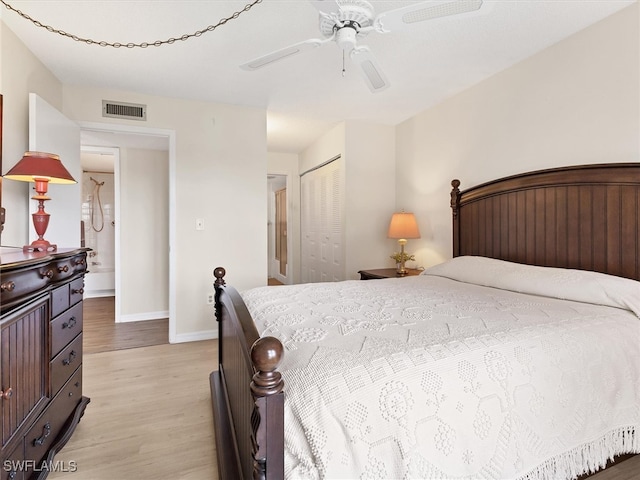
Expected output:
(576, 102)
(369, 170)
(20, 73)
(144, 233)
(219, 172)
(220, 176)
(370, 196)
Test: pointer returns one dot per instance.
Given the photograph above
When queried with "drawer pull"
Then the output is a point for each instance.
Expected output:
(6, 394)
(77, 290)
(46, 431)
(79, 261)
(72, 356)
(47, 273)
(8, 286)
(70, 324)
(63, 269)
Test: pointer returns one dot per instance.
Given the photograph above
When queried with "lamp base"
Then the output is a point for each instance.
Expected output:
(40, 246)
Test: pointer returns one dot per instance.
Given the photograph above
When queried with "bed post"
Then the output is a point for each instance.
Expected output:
(268, 416)
(455, 203)
(247, 392)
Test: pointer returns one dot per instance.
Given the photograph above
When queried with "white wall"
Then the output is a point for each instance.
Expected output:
(20, 73)
(144, 234)
(328, 146)
(220, 176)
(369, 170)
(370, 196)
(577, 102)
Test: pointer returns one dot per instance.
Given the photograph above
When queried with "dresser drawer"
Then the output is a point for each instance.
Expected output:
(44, 432)
(65, 327)
(63, 268)
(59, 300)
(39, 439)
(16, 285)
(13, 465)
(65, 363)
(68, 398)
(76, 290)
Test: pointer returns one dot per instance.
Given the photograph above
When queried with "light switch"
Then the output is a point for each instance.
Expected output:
(199, 223)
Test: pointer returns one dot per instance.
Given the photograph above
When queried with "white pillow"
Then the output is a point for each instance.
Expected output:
(564, 283)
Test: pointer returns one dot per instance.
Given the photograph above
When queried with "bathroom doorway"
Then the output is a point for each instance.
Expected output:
(137, 214)
(98, 220)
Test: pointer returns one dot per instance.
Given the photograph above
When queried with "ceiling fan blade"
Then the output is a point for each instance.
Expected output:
(283, 53)
(374, 76)
(325, 6)
(401, 17)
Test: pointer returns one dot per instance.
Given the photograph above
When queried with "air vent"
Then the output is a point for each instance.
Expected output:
(131, 111)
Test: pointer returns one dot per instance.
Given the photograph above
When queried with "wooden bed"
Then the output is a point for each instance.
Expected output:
(582, 217)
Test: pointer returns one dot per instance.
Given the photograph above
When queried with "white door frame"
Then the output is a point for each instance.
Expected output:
(171, 135)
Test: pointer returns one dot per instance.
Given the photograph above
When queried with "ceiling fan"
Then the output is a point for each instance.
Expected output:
(346, 21)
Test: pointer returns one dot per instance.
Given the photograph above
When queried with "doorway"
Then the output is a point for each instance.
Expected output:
(277, 231)
(99, 217)
(143, 160)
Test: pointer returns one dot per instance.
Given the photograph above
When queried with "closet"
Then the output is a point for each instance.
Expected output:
(322, 223)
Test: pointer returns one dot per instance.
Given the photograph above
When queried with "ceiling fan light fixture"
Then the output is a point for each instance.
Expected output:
(355, 19)
(346, 38)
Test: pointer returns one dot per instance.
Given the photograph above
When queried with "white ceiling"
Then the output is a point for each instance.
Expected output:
(305, 94)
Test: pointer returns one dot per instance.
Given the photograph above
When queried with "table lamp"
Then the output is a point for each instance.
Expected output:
(42, 169)
(403, 225)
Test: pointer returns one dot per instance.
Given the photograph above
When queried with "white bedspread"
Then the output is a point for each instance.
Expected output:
(427, 377)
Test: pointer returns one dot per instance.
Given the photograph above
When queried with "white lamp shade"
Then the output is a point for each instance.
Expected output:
(403, 225)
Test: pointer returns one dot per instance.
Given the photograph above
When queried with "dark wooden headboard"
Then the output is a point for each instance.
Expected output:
(585, 217)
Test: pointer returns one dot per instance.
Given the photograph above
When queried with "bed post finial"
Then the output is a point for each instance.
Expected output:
(219, 273)
(266, 355)
(455, 195)
(268, 416)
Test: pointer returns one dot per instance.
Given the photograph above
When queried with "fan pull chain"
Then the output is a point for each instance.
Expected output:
(343, 69)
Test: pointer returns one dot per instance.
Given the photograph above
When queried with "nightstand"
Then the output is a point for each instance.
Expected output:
(386, 273)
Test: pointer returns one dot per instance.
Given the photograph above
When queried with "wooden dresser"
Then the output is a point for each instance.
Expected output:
(41, 398)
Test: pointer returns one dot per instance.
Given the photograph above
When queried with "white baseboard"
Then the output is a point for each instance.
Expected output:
(139, 317)
(99, 293)
(195, 336)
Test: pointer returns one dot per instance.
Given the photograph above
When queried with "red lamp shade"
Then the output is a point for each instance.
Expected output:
(42, 169)
(40, 165)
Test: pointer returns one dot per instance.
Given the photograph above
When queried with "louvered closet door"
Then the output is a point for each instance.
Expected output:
(322, 224)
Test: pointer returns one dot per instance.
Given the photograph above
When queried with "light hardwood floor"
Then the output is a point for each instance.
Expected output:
(102, 334)
(150, 414)
(149, 417)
